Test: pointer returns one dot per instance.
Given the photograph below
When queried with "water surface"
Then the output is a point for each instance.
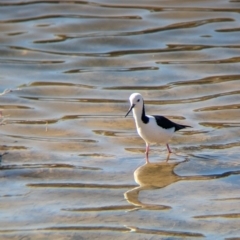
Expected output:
(72, 166)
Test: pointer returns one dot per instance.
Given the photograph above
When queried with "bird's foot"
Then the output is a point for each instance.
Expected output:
(168, 156)
(147, 159)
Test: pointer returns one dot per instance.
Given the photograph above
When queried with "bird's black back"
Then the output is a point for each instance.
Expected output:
(166, 123)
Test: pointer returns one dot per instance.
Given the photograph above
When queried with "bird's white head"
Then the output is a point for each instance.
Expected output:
(136, 103)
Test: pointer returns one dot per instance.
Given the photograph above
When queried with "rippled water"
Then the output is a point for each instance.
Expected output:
(72, 166)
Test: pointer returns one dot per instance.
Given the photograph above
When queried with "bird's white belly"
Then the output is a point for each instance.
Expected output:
(154, 134)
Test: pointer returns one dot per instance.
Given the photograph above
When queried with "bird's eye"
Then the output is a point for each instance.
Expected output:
(138, 100)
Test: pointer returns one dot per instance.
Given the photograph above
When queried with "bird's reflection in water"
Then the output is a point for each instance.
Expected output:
(159, 175)
(152, 176)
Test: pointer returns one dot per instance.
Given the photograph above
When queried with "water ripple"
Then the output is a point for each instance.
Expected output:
(183, 25)
(69, 156)
(48, 166)
(79, 185)
(52, 139)
(112, 229)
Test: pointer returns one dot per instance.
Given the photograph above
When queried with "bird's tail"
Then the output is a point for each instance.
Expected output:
(180, 126)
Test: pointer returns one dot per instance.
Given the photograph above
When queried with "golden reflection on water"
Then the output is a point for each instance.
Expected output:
(152, 176)
(68, 154)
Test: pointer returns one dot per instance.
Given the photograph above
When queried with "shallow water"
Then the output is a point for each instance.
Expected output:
(72, 167)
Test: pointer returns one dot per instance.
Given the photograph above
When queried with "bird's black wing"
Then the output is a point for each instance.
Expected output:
(166, 123)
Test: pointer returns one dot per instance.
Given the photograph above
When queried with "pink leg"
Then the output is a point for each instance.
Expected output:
(168, 156)
(169, 150)
(147, 151)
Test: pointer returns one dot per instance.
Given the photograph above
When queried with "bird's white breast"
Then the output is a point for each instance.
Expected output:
(152, 133)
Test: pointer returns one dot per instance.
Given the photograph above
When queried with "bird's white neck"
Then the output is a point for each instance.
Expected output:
(139, 116)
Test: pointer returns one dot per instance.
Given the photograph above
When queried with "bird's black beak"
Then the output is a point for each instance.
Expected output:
(130, 109)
